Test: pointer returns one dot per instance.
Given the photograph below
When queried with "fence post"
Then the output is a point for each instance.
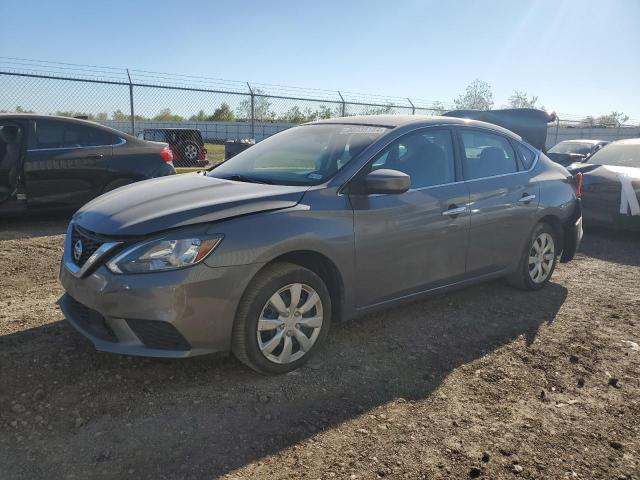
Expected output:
(413, 107)
(253, 112)
(133, 120)
(344, 106)
(557, 127)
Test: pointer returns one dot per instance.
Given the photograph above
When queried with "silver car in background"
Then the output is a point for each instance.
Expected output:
(317, 224)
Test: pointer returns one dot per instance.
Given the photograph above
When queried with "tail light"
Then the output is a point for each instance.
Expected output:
(579, 184)
(167, 155)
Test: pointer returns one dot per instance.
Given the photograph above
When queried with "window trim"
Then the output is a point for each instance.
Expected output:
(459, 131)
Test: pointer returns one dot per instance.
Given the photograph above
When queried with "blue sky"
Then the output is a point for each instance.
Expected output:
(578, 57)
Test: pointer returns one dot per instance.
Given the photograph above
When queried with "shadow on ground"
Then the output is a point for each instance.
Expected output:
(107, 416)
(617, 246)
(33, 225)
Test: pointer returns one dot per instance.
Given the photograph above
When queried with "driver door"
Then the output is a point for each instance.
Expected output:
(418, 240)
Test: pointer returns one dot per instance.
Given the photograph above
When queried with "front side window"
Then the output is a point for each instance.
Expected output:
(426, 156)
(304, 155)
(52, 134)
(487, 155)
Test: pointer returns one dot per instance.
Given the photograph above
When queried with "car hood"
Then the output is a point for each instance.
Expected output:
(180, 200)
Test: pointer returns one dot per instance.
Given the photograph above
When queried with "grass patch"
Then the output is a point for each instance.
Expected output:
(215, 153)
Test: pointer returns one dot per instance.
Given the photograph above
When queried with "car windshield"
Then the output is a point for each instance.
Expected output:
(571, 147)
(620, 155)
(304, 155)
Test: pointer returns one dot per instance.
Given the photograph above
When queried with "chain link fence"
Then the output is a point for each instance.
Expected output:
(132, 100)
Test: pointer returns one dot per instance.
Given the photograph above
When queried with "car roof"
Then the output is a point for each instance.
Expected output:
(178, 128)
(584, 140)
(627, 141)
(78, 121)
(393, 121)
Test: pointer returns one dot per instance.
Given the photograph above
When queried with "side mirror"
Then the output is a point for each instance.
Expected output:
(385, 181)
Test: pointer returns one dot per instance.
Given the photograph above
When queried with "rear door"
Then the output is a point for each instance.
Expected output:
(503, 200)
(66, 162)
(410, 242)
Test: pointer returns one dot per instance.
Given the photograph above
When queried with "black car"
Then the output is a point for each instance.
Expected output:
(570, 151)
(185, 143)
(59, 162)
(611, 185)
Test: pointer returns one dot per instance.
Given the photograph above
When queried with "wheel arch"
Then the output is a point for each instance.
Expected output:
(554, 222)
(322, 266)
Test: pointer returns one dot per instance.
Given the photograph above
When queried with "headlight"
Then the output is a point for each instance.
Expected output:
(164, 254)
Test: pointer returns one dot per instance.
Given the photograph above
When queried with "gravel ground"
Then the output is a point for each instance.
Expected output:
(487, 382)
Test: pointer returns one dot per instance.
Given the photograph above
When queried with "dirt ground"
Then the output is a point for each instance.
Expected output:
(487, 382)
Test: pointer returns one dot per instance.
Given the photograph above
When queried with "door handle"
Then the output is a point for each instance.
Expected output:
(95, 156)
(453, 211)
(527, 198)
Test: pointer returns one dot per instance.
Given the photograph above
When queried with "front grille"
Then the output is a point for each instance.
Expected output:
(157, 334)
(89, 246)
(91, 321)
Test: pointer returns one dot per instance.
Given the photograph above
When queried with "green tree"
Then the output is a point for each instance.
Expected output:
(199, 117)
(165, 115)
(223, 113)
(613, 119)
(388, 108)
(477, 96)
(121, 116)
(588, 121)
(521, 100)
(325, 112)
(261, 107)
(438, 108)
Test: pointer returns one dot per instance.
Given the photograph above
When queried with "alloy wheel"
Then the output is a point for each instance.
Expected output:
(289, 323)
(191, 152)
(541, 257)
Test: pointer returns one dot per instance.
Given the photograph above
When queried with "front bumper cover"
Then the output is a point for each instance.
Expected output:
(178, 313)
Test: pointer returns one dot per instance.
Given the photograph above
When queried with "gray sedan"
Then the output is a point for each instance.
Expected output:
(317, 224)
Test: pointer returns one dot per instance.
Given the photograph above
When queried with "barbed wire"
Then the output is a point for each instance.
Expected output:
(281, 98)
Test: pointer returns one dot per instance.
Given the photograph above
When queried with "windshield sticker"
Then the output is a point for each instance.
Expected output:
(314, 176)
(362, 129)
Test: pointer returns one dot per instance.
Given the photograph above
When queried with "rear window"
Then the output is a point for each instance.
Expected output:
(526, 155)
(52, 134)
(619, 155)
(174, 137)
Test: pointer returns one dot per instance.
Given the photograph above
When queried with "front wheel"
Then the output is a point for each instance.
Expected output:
(284, 315)
(538, 261)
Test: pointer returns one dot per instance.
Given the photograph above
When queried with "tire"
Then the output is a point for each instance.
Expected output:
(116, 184)
(535, 275)
(266, 350)
(189, 152)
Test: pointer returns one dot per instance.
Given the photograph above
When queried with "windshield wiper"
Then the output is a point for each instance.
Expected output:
(244, 178)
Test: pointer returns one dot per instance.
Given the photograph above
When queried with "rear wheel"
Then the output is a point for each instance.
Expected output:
(283, 316)
(538, 261)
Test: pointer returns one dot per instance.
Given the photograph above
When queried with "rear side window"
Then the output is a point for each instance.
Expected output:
(52, 134)
(526, 155)
(426, 156)
(487, 155)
